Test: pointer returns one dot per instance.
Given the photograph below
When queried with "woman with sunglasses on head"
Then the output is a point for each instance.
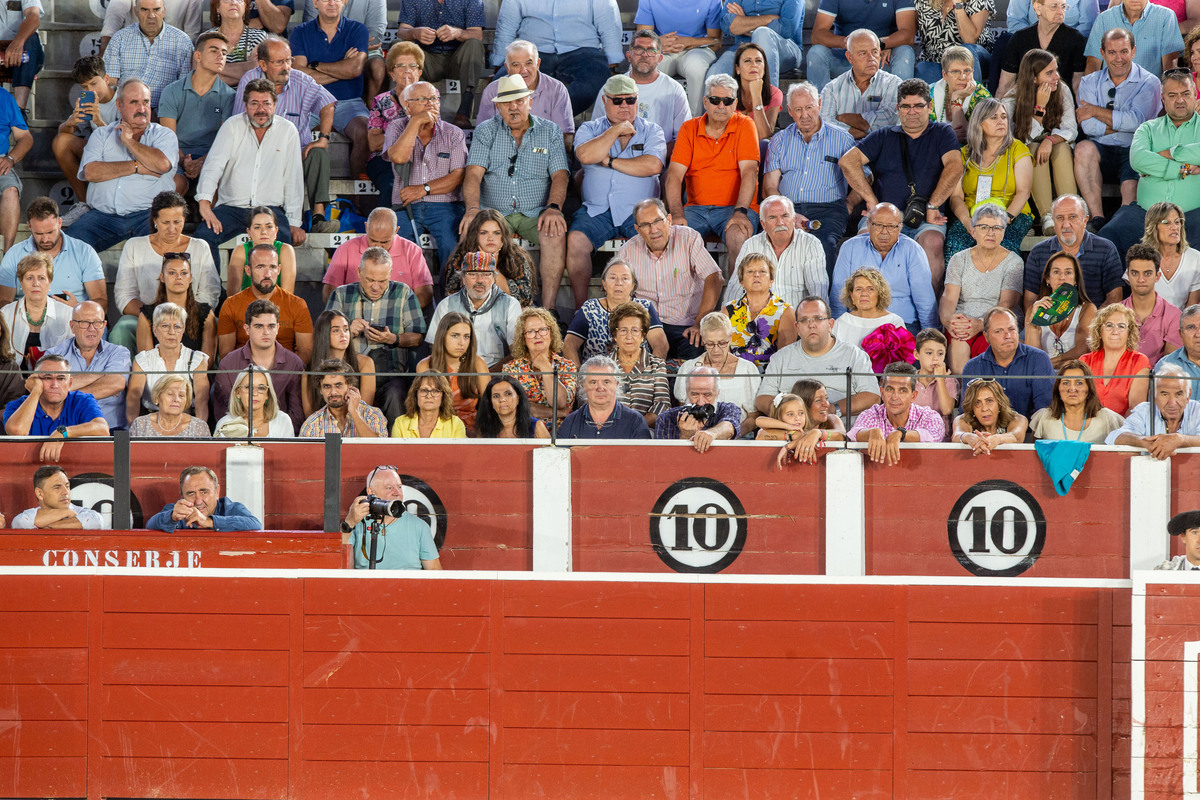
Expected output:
(1179, 279)
(138, 272)
(261, 228)
(175, 286)
(169, 357)
(429, 411)
(504, 412)
(1075, 410)
(988, 419)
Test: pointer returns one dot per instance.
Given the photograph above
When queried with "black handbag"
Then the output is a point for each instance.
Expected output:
(917, 204)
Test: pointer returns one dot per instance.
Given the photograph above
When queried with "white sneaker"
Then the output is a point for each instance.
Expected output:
(76, 211)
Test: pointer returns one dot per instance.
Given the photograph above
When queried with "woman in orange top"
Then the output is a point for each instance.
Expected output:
(1113, 339)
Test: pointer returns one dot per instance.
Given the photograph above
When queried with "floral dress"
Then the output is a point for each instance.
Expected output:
(940, 31)
(755, 340)
(531, 380)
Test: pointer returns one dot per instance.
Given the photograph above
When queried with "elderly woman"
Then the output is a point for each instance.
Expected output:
(503, 412)
(405, 62)
(168, 358)
(762, 321)
(866, 295)
(997, 170)
(254, 409)
(536, 350)
(37, 321)
(1042, 111)
(175, 286)
(949, 24)
(172, 397)
(1049, 33)
(1075, 410)
(644, 379)
(489, 232)
(1061, 340)
(429, 412)
(1179, 280)
(1115, 361)
(988, 420)
(739, 378)
(959, 90)
(588, 334)
(977, 279)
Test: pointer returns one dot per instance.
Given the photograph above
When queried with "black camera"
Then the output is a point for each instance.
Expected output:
(701, 412)
(382, 508)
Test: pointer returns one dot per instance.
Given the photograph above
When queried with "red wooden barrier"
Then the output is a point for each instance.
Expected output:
(214, 687)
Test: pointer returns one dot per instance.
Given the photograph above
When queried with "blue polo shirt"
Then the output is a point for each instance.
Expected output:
(10, 118)
(78, 408)
(1025, 394)
(309, 40)
(622, 423)
(850, 15)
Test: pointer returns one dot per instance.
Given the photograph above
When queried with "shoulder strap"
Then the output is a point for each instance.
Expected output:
(908, 173)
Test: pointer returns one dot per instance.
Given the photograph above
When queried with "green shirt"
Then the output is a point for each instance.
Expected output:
(1160, 180)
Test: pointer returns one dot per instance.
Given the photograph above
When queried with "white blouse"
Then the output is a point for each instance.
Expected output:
(56, 328)
(740, 388)
(140, 266)
(1185, 280)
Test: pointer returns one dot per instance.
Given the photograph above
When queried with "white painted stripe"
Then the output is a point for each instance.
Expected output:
(845, 515)
(552, 509)
(1190, 652)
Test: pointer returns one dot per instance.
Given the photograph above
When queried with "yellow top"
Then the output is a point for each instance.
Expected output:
(406, 428)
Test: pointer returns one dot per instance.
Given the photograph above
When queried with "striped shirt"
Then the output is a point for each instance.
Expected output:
(927, 423)
(799, 271)
(525, 187)
(674, 279)
(322, 422)
(397, 310)
(644, 388)
(301, 99)
(877, 104)
(809, 170)
(446, 152)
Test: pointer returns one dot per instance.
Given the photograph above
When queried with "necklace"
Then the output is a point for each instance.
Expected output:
(1066, 431)
(164, 429)
(37, 324)
(721, 368)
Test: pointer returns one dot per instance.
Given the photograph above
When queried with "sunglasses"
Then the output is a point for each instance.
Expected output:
(183, 256)
(381, 468)
(1112, 94)
(623, 101)
(512, 164)
(721, 101)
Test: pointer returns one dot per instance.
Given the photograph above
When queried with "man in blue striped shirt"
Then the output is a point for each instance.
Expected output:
(802, 165)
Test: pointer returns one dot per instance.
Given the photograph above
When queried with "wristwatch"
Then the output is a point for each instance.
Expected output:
(742, 209)
(903, 432)
(62, 431)
(322, 135)
(428, 189)
(346, 527)
(555, 206)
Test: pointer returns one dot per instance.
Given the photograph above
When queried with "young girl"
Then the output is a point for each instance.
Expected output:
(788, 418)
(934, 389)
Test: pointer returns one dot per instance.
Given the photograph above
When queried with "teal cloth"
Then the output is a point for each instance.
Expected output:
(1063, 460)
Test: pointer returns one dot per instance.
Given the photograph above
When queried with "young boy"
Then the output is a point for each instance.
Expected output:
(73, 134)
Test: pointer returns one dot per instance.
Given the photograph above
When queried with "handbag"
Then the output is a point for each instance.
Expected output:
(917, 204)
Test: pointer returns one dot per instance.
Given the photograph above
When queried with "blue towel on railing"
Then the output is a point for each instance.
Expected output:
(1063, 460)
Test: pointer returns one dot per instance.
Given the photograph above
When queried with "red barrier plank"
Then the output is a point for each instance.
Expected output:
(808, 713)
(1003, 641)
(196, 631)
(33, 776)
(164, 593)
(792, 750)
(787, 784)
(622, 600)
(748, 675)
(1021, 751)
(990, 784)
(1018, 715)
(394, 743)
(236, 741)
(799, 639)
(805, 603)
(43, 739)
(411, 781)
(651, 637)
(42, 702)
(575, 782)
(631, 748)
(42, 629)
(195, 703)
(180, 668)
(395, 670)
(59, 665)
(405, 598)
(247, 779)
(1003, 679)
(395, 706)
(598, 673)
(42, 593)
(394, 634)
(1016, 604)
(613, 710)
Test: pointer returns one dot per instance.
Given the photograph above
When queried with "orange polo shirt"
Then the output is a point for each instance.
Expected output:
(712, 176)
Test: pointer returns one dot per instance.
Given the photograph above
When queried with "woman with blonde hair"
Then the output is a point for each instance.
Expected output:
(429, 411)
(254, 409)
(762, 322)
(988, 419)
(537, 353)
(1179, 279)
(866, 296)
(739, 378)
(1115, 360)
(172, 397)
(37, 321)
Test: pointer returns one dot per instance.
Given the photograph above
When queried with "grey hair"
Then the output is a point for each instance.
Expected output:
(706, 372)
(778, 198)
(983, 111)
(650, 201)
(412, 86)
(381, 214)
(984, 210)
(1174, 371)
(597, 363)
(263, 51)
(521, 44)
(164, 310)
(619, 262)
(1188, 313)
(129, 82)
(722, 80)
(803, 86)
(956, 54)
(716, 321)
(376, 255)
(1063, 198)
(861, 32)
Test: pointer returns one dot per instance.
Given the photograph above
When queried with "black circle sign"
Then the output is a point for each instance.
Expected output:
(423, 503)
(95, 490)
(997, 529)
(698, 525)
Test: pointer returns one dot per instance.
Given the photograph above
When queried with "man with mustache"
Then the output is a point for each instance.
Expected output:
(798, 255)
(125, 165)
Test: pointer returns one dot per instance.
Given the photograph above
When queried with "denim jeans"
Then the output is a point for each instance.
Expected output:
(439, 220)
(102, 230)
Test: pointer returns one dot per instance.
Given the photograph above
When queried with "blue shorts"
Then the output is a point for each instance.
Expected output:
(346, 111)
(1114, 163)
(23, 74)
(600, 229)
(713, 219)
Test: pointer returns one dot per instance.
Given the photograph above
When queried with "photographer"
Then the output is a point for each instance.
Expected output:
(703, 420)
(404, 542)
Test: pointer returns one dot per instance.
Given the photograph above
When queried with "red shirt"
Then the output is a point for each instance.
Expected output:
(713, 178)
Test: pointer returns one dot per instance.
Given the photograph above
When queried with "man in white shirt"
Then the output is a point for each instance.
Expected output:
(254, 161)
(52, 488)
(660, 97)
(799, 258)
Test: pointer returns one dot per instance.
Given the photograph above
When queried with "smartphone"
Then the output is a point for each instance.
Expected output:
(380, 328)
(62, 296)
(87, 98)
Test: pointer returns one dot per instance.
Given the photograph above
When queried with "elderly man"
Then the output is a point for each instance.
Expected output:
(518, 166)
(52, 409)
(673, 271)
(1098, 258)
(78, 273)
(818, 354)
(1158, 320)
(493, 312)
(1187, 357)
(254, 161)
(902, 262)
(863, 99)
(895, 27)
(660, 98)
(125, 164)
(929, 152)
(776, 26)
(54, 510)
(386, 323)
(299, 99)
(344, 411)
(799, 259)
(98, 367)
(332, 50)
(802, 165)
(897, 419)
(200, 506)
(579, 41)
(622, 156)
(704, 419)
(451, 34)
(690, 38)
(437, 154)
(408, 543)
(196, 105)
(1169, 422)
(151, 50)
(1024, 372)
(408, 262)
(261, 328)
(1154, 26)
(295, 321)
(1165, 151)
(717, 156)
(1112, 104)
(187, 15)
(601, 416)
(550, 98)
(1186, 526)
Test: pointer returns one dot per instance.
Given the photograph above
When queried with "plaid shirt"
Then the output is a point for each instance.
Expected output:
(927, 423)
(131, 55)
(446, 152)
(398, 310)
(322, 422)
(539, 157)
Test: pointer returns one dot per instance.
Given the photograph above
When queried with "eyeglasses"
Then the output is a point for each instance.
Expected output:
(716, 345)
(984, 381)
(183, 256)
(427, 101)
(623, 101)
(629, 331)
(1174, 223)
(645, 226)
(811, 320)
(1115, 326)
(537, 333)
(427, 392)
(721, 101)
(879, 226)
(1178, 72)
(89, 324)
(512, 164)
(381, 468)
(990, 228)
(169, 327)
(407, 66)
(645, 51)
